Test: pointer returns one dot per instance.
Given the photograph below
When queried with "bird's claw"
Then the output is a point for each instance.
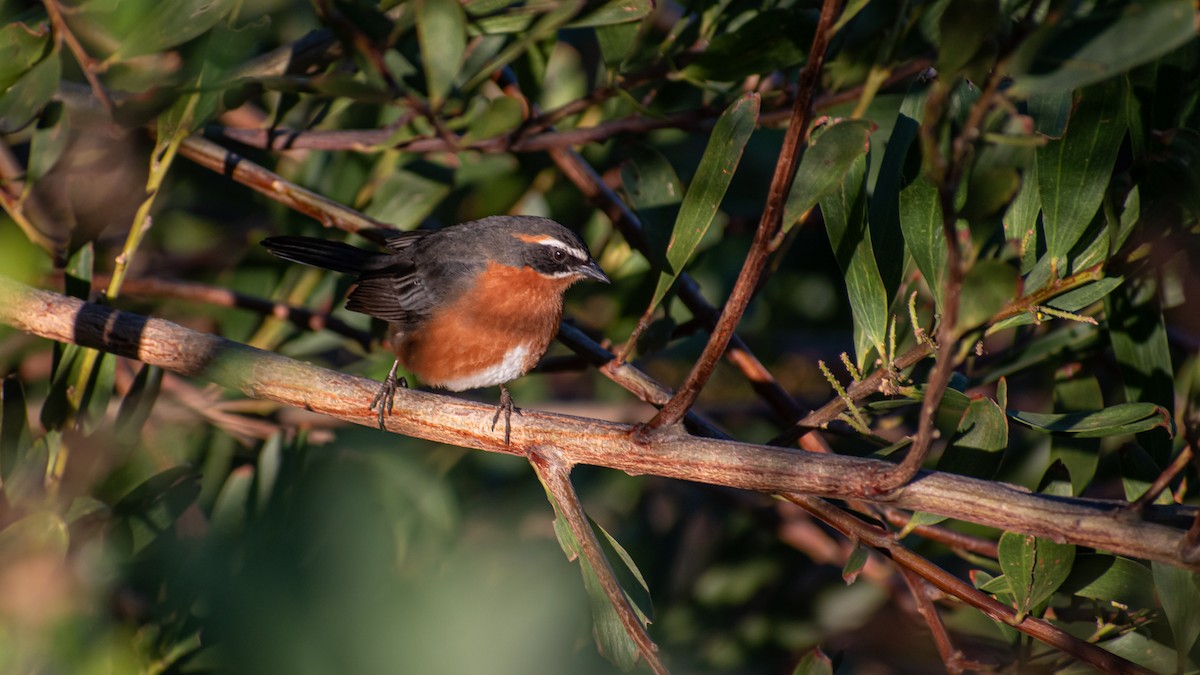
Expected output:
(506, 406)
(385, 398)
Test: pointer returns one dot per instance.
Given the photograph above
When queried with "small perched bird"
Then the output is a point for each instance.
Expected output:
(471, 305)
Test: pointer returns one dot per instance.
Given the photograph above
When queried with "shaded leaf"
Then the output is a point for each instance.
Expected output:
(502, 115)
(171, 23)
(1179, 592)
(987, 287)
(921, 223)
(979, 442)
(1111, 579)
(655, 192)
(139, 401)
(704, 195)
(1139, 341)
(442, 27)
(772, 40)
(232, 506)
(614, 12)
(962, 28)
(1073, 172)
(151, 509)
(831, 154)
(1123, 418)
(49, 140)
(884, 214)
(21, 102)
(20, 48)
(14, 425)
(855, 563)
(1070, 51)
(40, 533)
(845, 212)
(1076, 391)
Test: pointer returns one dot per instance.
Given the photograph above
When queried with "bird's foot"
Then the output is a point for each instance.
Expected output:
(506, 406)
(385, 398)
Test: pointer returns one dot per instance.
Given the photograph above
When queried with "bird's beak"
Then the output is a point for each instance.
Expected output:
(592, 271)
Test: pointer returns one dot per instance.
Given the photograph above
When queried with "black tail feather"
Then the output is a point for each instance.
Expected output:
(330, 255)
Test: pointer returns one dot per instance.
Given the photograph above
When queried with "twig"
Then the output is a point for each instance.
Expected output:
(1163, 481)
(1045, 631)
(944, 536)
(951, 657)
(772, 217)
(62, 33)
(555, 473)
(268, 376)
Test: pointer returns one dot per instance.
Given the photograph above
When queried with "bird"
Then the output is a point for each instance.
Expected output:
(468, 306)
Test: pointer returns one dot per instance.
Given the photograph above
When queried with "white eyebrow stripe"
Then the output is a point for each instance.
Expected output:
(575, 252)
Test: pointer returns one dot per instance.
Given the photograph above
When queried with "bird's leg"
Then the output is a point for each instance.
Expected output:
(506, 407)
(386, 397)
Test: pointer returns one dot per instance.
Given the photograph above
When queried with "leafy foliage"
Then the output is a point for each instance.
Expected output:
(1027, 167)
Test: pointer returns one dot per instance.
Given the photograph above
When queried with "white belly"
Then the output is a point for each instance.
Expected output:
(512, 366)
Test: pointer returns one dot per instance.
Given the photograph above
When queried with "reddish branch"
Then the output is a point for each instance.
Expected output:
(768, 226)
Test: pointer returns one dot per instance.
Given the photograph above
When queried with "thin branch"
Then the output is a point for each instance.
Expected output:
(951, 657)
(231, 165)
(768, 226)
(945, 536)
(62, 33)
(555, 473)
(1045, 631)
(264, 375)
(1164, 479)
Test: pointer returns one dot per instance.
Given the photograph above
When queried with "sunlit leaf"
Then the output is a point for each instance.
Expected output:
(171, 23)
(441, 25)
(1034, 567)
(1123, 418)
(830, 155)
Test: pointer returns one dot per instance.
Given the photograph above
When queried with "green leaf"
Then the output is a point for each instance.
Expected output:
(21, 102)
(171, 23)
(269, 461)
(20, 48)
(151, 508)
(884, 215)
(1179, 591)
(831, 154)
(1110, 579)
(1073, 172)
(845, 212)
(1076, 391)
(502, 115)
(815, 662)
(655, 192)
(704, 195)
(921, 222)
(409, 195)
(979, 442)
(987, 287)
(139, 401)
(774, 39)
(962, 28)
(1035, 568)
(1139, 341)
(855, 563)
(1138, 472)
(49, 140)
(1104, 39)
(99, 392)
(14, 425)
(1124, 418)
(613, 13)
(1085, 296)
(918, 519)
(232, 506)
(442, 28)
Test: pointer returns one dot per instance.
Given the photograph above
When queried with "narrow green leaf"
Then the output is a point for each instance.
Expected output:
(617, 43)
(614, 12)
(962, 28)
(987, 287)
(442, 30)
(409, 195)
(1124, 418)
(502, 115)
(20, 48)
(815, 662)
(139, 401)
(99, 392)
(884, 212)
(845, 212)
(14, 425)
(1035, 568)
(1085, 296)
(21, 102)
(704, 195)
(49, 140)
(918, 519)
(171, 23)
(831, 154)
(1138, 472)
(774, 39)
(1139, 341)
(232, 506)
(1179, 591)
(150, 509)
(921, 222)
(269, 461)
(655, 192)
(1073, 172)
(1101, 41)
(979, 442)
(855, 563)
(1075, 390)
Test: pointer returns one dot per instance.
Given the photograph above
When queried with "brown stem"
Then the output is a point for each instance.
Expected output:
(769, 224)
(951, 657)
(944, 536)
(62, 33)
(555, 473)
(264, 375)
(1164, 479)
(1045, 631)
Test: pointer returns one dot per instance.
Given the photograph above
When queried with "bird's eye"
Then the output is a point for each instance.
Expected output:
(559, 255)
